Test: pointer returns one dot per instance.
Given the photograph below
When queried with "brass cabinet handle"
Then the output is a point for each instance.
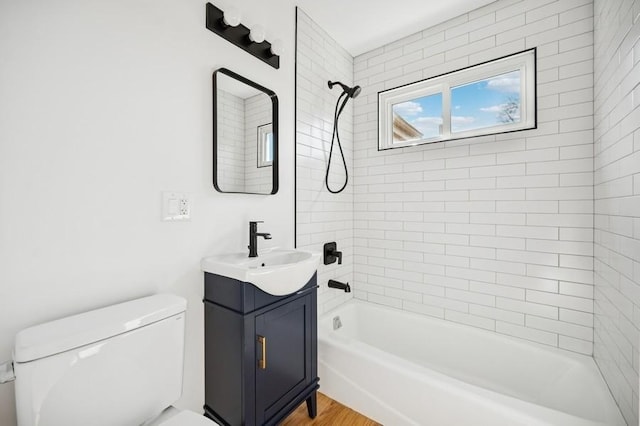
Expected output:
(262, 363)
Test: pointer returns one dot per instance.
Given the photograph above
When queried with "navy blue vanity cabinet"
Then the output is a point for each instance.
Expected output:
(260, 352)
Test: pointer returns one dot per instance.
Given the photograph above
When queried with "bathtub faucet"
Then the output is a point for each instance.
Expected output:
(339, 285)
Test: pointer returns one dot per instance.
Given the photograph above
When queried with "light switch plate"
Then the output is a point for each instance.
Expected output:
(176, 206)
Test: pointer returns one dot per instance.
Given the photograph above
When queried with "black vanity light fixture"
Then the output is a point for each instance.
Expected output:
(227, 25)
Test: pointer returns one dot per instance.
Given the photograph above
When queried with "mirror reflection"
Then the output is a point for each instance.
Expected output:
(245, 135)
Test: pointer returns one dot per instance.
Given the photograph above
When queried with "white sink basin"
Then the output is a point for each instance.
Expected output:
(274, 271)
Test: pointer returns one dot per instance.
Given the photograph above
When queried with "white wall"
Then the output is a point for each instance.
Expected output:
(104, 105)
(323, 217)
(617, 199)
(496, 231)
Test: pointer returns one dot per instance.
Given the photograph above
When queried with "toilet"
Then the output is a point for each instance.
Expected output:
(116, 366)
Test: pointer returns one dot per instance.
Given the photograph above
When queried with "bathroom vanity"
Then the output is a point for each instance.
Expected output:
(260, 351)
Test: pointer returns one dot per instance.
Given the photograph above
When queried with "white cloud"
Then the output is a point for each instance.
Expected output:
(428, 126)
(500, 109)
(457, 107)
(459, 122)
(427, 120)
(457, 119)
(494, 108)
(507, 83)
(407, 108)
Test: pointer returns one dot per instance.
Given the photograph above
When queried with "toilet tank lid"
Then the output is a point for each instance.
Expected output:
(72, 332)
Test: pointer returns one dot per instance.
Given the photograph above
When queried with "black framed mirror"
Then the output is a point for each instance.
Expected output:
(245, 135)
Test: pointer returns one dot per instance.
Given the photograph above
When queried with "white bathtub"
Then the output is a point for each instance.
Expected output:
(400, 368)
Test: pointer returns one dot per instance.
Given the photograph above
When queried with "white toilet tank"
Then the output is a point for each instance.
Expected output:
(116, 366)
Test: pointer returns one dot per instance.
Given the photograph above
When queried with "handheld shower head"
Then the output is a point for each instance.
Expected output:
(351, 91)
(347, 93)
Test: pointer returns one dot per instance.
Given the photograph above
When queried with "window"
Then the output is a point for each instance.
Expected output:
(265, 145)
(493, 97)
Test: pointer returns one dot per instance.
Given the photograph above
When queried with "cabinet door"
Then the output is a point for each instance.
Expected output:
(283, 351)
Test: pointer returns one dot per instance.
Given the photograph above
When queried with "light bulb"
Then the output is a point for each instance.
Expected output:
(277, 47)
(257, 34)
(232, 16)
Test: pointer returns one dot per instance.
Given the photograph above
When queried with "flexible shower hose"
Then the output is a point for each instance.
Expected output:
(335, 136)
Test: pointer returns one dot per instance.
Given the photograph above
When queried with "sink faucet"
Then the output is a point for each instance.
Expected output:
(253, 238)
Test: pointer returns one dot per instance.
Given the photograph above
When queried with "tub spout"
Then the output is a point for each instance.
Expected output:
(339, 285)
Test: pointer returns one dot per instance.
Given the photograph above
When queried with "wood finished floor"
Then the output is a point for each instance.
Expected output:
(330, 413)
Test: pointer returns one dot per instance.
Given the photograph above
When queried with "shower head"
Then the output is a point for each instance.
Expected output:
(351, 91)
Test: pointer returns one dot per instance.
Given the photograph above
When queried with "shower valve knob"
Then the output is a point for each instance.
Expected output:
(331, 254)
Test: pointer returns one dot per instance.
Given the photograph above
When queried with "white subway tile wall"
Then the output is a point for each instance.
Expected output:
(617, 199)
(257, 113)
(231, 135)
(496, 231)
(323, 217)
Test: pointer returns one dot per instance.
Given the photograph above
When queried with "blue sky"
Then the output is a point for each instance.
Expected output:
(475, 105)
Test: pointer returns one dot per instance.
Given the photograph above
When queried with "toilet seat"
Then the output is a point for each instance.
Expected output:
(188, 418)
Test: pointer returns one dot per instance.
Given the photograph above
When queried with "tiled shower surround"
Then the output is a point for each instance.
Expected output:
(617, 199)
(497, 232)
(323, 217)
